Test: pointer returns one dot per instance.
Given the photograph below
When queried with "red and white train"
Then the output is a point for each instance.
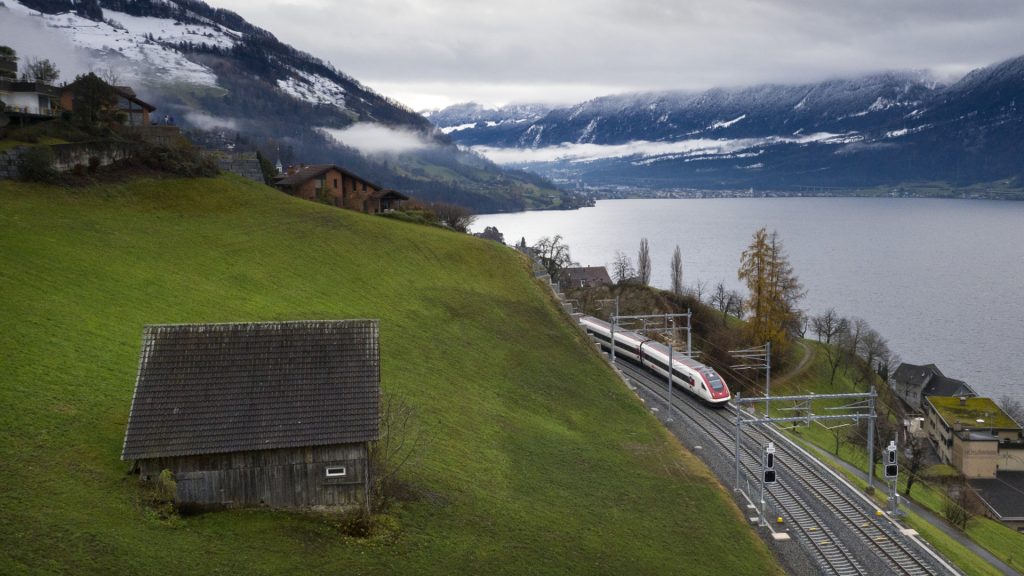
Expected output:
(692, 376)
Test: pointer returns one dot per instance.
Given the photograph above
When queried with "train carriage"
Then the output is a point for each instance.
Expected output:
(692, 376)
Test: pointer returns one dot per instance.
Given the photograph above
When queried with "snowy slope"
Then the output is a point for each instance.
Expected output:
(135, 48)
(143, 50)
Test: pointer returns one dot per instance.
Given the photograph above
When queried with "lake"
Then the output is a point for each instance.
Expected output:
(942, 280)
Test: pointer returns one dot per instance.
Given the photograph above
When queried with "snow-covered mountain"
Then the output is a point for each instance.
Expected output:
(883, 129)
(472, 115)
(212, 70)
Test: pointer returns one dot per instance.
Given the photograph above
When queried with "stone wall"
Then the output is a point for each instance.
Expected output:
(67, 156)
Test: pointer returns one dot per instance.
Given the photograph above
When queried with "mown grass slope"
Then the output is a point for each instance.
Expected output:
(540, 460)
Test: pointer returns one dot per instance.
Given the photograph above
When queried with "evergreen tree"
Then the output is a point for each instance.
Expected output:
(643, 263)
(677, 272)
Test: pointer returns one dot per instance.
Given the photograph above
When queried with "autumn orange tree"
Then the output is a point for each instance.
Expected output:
(774, 291)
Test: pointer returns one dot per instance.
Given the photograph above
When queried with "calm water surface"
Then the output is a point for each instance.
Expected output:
(942, 280)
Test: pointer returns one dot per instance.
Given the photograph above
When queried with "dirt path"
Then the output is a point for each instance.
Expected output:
(809, 354)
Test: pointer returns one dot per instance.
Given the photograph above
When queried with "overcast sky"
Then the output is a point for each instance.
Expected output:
(431, 53)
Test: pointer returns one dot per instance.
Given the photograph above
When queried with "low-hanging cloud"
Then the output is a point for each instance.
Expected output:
(572, 152)
(370, 138)
(208, 122)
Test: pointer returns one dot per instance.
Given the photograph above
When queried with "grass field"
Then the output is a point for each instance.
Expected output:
(540, 460)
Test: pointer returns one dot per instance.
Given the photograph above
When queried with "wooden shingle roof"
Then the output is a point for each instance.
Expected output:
(216, 388)
(307, 173)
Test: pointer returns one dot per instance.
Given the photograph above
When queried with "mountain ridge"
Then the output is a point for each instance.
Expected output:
(889, 129)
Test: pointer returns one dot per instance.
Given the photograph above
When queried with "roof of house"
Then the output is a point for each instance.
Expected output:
(931, 381)
(389, 195)
(128, 93)
(307, 173)
(972, 413)
(1002, 494)
(216, 388)
(586, 274)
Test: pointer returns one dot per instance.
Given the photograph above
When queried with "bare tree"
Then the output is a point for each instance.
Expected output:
(720, 299)
(914, 460)
(1013, 408)
(699, 288)
(109, 75)
(834, 355)
(43, 71)
(622, 268)
(453, 216)
(796, 325)
(736, 304)
(643, 263)
(960, 504)
(553, 254)
(677, 272)
(726, 301)
(401, 440)
(828, 325)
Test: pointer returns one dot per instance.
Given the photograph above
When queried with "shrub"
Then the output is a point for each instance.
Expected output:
(356, 523)
(181, 159)
(36, 165)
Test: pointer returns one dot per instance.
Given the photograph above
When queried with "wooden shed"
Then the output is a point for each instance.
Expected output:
(275, 414)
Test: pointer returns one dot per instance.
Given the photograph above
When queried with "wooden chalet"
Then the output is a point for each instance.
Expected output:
(275, 414)
(336, 186)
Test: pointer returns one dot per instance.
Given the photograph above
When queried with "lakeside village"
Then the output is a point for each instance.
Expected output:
(105, 125)
(612, 192)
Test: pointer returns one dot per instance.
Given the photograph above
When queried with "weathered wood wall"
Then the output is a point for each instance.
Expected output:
(281, 478)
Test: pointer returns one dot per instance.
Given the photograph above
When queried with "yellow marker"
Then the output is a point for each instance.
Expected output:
(779, 520)
(878, 512)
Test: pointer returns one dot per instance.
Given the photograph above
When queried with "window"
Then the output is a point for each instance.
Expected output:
(336, 471)
(335, 183)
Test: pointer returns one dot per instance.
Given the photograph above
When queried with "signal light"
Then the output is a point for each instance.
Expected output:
(891, 465)
(769, 476)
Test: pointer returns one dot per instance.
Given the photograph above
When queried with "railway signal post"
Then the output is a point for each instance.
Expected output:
(892, 475)
(767, 475)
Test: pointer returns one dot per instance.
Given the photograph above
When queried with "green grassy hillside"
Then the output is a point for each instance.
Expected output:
(540, 460)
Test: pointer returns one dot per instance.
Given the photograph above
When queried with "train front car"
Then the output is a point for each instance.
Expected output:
(717, 388)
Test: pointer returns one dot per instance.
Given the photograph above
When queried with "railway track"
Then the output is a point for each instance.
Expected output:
(807, 492)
